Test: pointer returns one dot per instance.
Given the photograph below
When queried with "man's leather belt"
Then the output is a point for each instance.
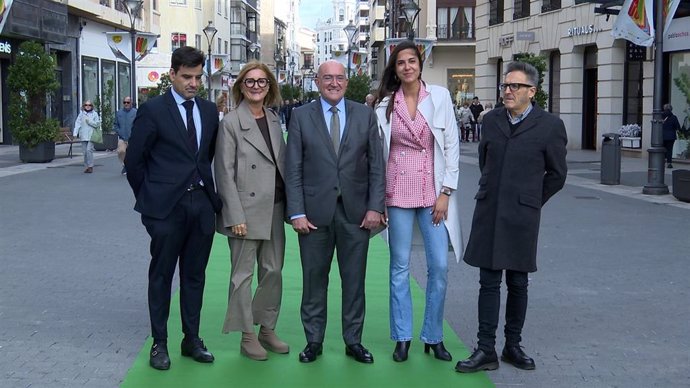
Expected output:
(194, 186)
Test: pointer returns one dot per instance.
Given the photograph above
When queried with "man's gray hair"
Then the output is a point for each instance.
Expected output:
(668, 107)
(529, 70)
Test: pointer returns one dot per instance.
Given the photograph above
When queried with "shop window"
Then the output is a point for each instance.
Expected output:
(496, 10)
(108, 74)
(124, 80)
(555, 82)
(521, 9)
(632, 87)
(89, 76)
(461, 84)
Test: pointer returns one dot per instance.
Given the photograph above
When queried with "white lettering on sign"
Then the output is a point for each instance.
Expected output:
(582, 30)
(5, 47)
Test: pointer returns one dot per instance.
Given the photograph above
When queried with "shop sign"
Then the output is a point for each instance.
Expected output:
(583, 30)
(506, 41)
(677, 37)
(525, 35)
(5, 47)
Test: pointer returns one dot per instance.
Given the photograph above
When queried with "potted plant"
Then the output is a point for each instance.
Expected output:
(104, 107)
(31, 79)
(631, 136)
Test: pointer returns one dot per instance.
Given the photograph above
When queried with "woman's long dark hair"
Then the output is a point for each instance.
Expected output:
(390, 83)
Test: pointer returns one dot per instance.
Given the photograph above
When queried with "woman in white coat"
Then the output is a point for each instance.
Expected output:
(87, 121)
(422, 154)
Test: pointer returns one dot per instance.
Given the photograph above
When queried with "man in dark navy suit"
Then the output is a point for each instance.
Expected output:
(168, 166)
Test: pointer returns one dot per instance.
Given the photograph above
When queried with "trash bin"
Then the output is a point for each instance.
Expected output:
(611, 159)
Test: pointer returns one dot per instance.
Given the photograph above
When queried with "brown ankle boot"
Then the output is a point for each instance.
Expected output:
(270, 341)
(251, 347)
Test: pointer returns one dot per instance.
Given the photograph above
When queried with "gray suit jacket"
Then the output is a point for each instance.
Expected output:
(245, 172)
(316, 176)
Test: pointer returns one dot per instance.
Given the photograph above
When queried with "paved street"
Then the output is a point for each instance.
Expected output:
(608, 306)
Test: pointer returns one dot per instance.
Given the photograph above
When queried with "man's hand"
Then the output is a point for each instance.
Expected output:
(440, 209)
(372, 219)
(302, 225)
(239, 230)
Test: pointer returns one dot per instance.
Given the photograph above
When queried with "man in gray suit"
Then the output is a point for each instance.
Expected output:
(335, 191)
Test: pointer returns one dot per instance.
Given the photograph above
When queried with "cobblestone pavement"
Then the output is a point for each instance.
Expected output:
(608, 306)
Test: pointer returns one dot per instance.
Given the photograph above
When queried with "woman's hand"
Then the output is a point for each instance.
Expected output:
(239, 230)
(440, 209)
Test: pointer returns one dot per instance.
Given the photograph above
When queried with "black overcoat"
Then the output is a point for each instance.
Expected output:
(519, 173)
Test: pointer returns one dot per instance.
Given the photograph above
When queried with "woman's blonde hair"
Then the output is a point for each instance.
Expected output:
(272, 98)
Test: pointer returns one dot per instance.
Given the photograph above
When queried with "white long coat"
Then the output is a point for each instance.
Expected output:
(438, 111)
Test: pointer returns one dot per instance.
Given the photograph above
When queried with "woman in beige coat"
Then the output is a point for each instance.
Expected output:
(249, 165)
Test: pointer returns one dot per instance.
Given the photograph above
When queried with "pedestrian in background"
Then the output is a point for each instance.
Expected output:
(522, 163)
(670, 127)
(476, 108)
(222, 105)
(464, 116)
(335, 191)
(169, 169)
(124, 119)
(253, 214)
(86, 122)
(421, 138)
(487, 107)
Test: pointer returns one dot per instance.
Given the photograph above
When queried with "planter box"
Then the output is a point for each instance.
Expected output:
(42, 153)
(109, 143)
(631, 142)
(680, 149)
(681, 185)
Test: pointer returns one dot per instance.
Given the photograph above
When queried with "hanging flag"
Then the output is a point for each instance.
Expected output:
(635, 22)
(670, 7)
(423, 45)
(218, 62)
(5, 6)
(120, 44)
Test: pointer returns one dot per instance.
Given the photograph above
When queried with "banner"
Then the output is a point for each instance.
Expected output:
(635, 22)
(218, 62)
(120, 44)
(670, 7)
(5, 6)
(424, 46)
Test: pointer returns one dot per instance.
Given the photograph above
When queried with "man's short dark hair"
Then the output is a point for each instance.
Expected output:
(186, 56)
(475, 98)
(529, 70)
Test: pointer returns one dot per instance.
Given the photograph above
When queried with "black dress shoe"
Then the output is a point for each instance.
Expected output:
(479, 360)
(158, 358)
(310, 352)
(515, 356)
(194, 348)
(359, 353)
(401, 350)
(440, 351)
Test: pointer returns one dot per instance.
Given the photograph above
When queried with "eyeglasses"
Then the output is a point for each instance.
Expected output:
(250, 82)
(513, 86)
(330, 78)
(88, 105)
(126, 102)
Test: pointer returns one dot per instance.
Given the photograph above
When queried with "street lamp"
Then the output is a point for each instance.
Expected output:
(133, 7)
(277, 57)
(210, 33)
(253, 48)
(350, 30)
(410, 10)
(292, 72)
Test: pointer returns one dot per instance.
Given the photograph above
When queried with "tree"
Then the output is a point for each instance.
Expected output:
(358, 87)
(165, 83)
(104, 107)
(539, 62)
(290, 92)
(31, 79)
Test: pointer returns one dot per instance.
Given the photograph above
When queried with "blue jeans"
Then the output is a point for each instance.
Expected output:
(400, 227)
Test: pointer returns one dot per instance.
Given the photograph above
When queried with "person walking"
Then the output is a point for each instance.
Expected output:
(522, 161)
(464, 116)
(169, 169)
(335, 197)
(476, 108)
(669, 128)
(253, 212)
(87, 121)
(421, 138)
(124, 119)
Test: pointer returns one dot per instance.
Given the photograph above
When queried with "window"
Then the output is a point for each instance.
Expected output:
(555, 82)
(124, 83)
(219, 7)
(105, 2)
(220, 45)
(89, 76)
(455, 23)
(178, 40)
(108, 75)
(226, 47)
(341, 16)
(521, 9)
(197, 41)
(197, 4)
(632, 87)
(550, 5)
(496, 10)
(178, 2)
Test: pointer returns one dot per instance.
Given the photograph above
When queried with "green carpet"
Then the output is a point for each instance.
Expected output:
(333, 368)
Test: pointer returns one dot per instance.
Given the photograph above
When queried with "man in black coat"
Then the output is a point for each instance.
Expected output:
(669, 128)
(169, 169)
(522, 160)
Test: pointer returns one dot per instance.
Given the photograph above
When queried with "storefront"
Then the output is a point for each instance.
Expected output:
(677, 45)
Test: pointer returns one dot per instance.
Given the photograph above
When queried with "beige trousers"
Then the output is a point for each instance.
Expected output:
(121, 150)
(244, 311)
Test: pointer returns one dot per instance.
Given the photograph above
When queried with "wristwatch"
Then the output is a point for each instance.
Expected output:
(446, 191)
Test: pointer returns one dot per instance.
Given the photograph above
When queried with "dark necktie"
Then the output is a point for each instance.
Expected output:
(191, 128)
(335, 129)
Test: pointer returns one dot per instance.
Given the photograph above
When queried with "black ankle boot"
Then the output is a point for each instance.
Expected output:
(401, 350)
(440, 351)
